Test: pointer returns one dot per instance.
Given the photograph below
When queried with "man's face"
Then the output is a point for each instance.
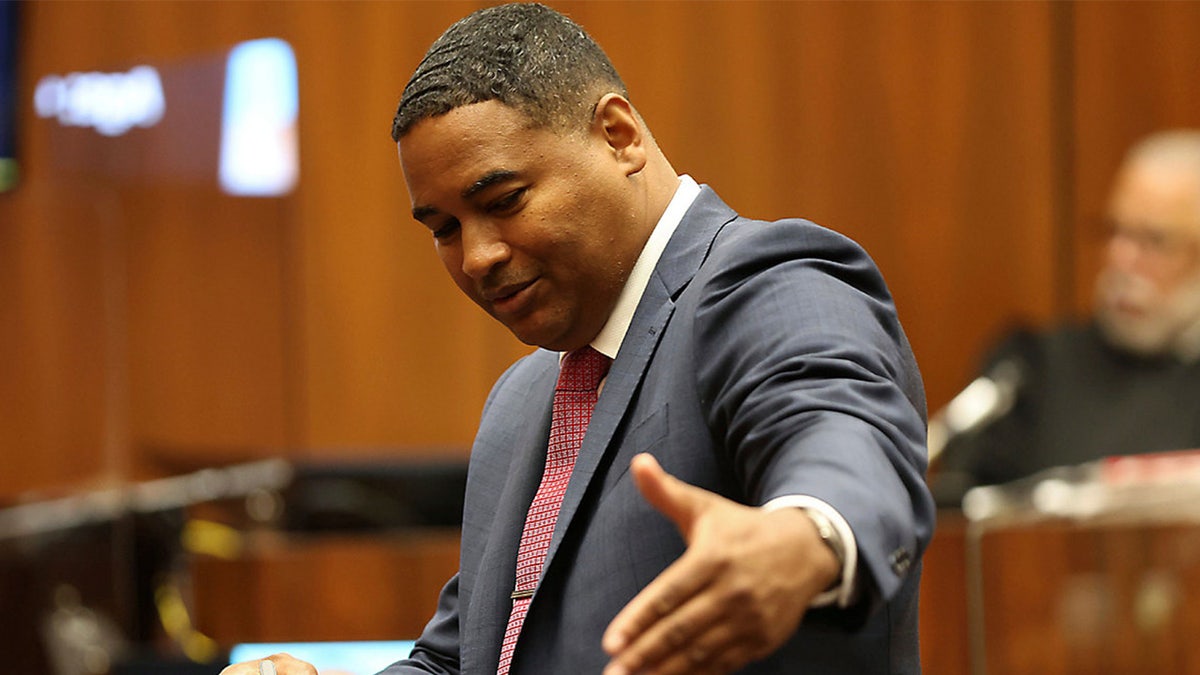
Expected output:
(1149, 289)
(534, 225)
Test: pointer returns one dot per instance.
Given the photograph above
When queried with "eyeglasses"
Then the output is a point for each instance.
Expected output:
(1158, 240)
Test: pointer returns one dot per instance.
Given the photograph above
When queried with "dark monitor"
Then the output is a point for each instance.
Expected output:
(369, 496)
(74, 595)
(9, 34)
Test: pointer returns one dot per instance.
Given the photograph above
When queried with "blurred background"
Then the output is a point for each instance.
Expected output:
(237, 389)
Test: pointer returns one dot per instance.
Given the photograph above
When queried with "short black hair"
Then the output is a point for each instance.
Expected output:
(524, 55)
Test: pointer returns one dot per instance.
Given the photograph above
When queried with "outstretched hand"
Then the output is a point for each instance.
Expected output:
(736, 594)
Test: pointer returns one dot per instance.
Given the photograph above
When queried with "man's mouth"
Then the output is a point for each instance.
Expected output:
(509, 297)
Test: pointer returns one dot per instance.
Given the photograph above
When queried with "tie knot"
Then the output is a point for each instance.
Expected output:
(582, 370)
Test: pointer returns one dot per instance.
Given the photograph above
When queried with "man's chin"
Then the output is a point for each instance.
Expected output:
(533, 333)
(1134, 332)
(555, 341)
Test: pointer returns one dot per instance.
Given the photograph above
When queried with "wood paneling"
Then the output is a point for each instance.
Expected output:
(321, 323)
(1066, 598)
(955, 140)
(389, 351)
(1134, 66)
(376, 587)
(57, 397)
(896, 123)
(944, 614)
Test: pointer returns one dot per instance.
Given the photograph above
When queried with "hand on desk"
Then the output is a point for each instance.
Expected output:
(284, 664)
(736, 594)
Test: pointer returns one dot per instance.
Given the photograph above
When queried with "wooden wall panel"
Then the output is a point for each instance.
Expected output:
(1080, 598)
(375, 587)
(1135, 68)
(892, 122)
(868, 118)
(206, 327)
(55, 389)
(190, 282)
(391, 353)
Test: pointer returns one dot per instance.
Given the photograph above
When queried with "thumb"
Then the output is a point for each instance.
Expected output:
(675, 499)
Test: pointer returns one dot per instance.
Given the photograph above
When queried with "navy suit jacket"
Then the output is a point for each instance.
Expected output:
(764, 359)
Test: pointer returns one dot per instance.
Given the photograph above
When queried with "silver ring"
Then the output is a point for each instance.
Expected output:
(266, 667)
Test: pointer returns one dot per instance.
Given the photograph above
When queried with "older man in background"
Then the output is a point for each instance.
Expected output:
(1127, 382)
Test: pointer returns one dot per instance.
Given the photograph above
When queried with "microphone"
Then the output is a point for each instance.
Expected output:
(985, 400)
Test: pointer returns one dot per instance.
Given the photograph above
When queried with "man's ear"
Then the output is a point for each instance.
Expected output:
(621, 129)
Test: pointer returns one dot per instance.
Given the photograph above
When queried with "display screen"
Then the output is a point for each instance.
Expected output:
(227, 120)
(331, 658)
(258, 120)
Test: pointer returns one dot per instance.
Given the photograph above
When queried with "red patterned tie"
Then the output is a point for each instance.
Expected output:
(574, 399)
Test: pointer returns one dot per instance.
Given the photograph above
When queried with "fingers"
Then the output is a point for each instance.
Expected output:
(666, 594)
(738, 591)
(276, 664)
(682, 503)
(691, 639)
(672, 620)
(689, 621)
(254, 667)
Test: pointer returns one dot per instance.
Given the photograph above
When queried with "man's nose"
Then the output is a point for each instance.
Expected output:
(1122, 251)
(483, 249)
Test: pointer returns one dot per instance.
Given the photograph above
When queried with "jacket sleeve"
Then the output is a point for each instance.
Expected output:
(437, 650)
(811, 386)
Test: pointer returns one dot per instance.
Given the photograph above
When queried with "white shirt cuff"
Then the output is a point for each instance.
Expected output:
(843, 593)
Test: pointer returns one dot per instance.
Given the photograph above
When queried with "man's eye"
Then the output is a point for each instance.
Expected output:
(507, 202)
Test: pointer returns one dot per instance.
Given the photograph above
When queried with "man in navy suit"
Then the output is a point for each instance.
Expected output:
(749, 495)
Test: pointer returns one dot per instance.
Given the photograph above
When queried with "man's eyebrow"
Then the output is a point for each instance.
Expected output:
(488, 180)
(498, 176)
